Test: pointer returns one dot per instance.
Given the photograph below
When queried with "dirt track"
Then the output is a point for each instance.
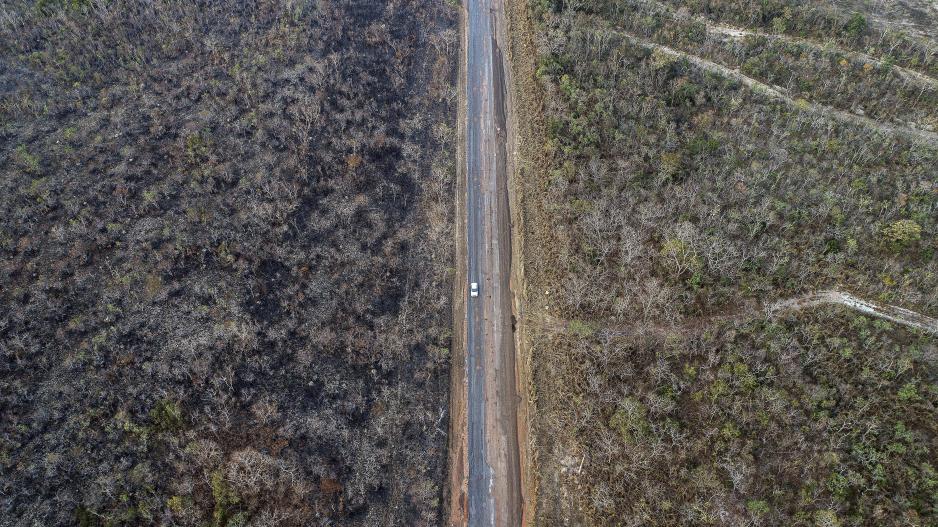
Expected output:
(774, 92)
(895, 314)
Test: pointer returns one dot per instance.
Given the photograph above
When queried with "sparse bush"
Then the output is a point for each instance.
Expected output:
(26, 160)
(629, 420)
(856, 26)
(901, 234)
(225, 501)
(580, 328)
(826, 518)
(167, 416)
(757, 507)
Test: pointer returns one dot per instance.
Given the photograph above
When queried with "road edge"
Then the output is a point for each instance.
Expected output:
(512, 39)
(458, 461)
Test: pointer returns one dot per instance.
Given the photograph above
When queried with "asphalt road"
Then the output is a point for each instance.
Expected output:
(494, 486)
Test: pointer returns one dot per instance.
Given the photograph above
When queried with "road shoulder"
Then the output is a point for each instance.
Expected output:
(515, 43)
(457, 483)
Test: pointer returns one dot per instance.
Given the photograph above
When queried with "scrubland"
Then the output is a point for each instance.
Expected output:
(683, 166)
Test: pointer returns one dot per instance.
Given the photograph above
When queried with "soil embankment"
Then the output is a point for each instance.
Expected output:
(525, 125)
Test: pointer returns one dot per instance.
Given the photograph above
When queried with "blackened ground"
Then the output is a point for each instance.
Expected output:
(223, 260)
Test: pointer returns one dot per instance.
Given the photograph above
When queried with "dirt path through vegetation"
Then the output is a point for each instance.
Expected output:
(891, 313)
(774, 92)
(895, 314)
(739, 33)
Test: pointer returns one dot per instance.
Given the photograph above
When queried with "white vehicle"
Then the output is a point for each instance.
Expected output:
(474, 289)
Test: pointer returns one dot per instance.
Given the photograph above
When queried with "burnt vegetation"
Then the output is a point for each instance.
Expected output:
(696, 161)
(225, 261)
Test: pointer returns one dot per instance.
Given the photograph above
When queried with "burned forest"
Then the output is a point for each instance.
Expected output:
(225, 261)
